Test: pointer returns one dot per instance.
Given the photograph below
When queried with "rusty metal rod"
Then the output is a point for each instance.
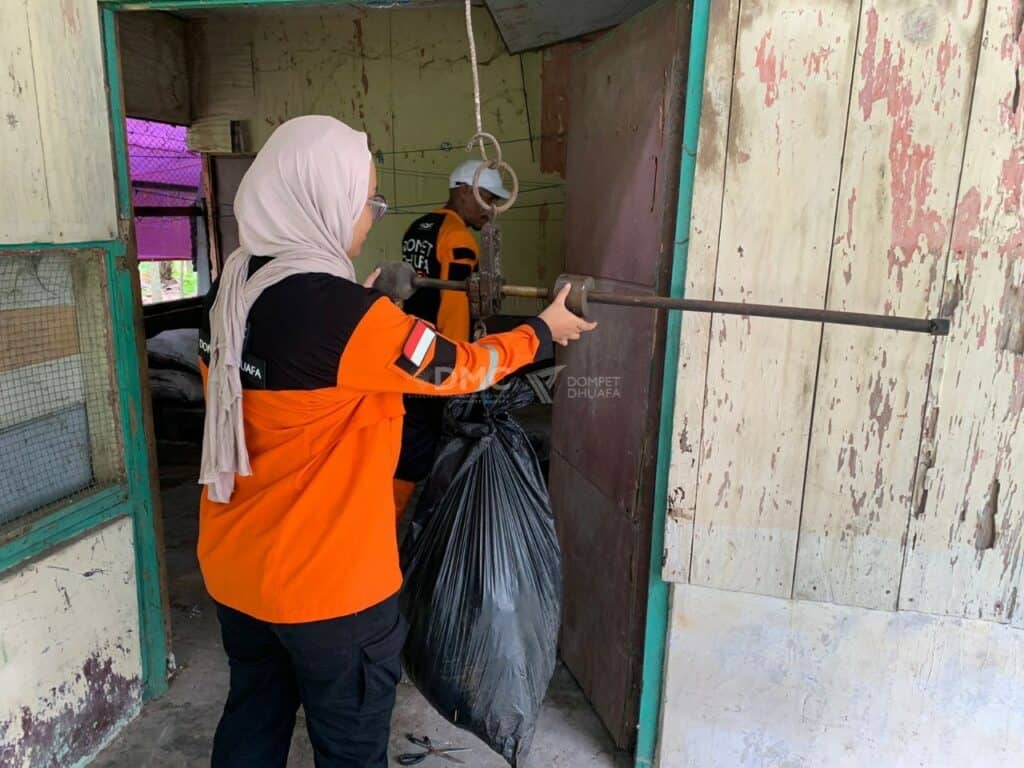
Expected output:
(937, 326)
(517, 291)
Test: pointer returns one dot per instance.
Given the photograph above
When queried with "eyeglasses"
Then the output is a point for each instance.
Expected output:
(378, 207)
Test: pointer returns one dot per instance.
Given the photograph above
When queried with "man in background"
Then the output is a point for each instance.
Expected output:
(440, 245)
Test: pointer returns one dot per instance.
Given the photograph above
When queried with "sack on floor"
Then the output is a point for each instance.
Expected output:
(483, 577)
(177, 349)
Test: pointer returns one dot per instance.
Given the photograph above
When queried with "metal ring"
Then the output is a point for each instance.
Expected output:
(496, 165)
(478, 138)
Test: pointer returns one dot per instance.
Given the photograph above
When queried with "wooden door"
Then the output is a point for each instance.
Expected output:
(622, 181)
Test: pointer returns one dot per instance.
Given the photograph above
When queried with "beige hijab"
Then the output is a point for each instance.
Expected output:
(298, 202)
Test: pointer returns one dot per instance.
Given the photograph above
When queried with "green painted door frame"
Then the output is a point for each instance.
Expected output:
(137, 457)
(125, 313)
(134, 496)
(652, 692)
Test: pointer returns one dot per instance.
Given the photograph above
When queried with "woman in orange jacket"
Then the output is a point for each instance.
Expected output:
(305, 371)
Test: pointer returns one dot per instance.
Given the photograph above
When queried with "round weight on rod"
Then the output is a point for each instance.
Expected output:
(396, 280)
(581, 286)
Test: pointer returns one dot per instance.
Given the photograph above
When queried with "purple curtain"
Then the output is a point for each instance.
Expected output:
(163, 173)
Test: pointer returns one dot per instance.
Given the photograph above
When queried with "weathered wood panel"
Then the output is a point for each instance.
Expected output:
(409, 88)
(787, 125)
(966, 550)
(757, 682)
(69, 650)
(97, 376)
(71, 99)
(904, 147)
(527, 24)
(24, 208)
(32, 336)
(154, 67)
(626, 109)
(702, 260)
(556, 76)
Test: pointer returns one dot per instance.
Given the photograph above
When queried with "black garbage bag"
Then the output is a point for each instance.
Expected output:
(483, 576)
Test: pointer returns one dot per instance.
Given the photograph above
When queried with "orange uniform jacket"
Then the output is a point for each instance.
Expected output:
(310, 535)
(440, 245)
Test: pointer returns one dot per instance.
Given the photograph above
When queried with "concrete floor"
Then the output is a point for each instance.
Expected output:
(176, 731)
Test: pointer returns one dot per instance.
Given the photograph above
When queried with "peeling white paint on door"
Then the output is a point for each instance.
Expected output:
(966, 551)
(702, 259)
(54, 128)
(905, 139)
(929, 220)
(786, 131)
(24, 208)
(69, 650)
(903, 490)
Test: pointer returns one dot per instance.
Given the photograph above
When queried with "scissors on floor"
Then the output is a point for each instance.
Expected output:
(431, 750)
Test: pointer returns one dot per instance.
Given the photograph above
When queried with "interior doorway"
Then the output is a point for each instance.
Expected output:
(398, 74)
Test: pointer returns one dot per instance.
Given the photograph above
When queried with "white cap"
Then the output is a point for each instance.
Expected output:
(490, 179)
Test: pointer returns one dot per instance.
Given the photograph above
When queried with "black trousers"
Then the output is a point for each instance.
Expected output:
(421, 437)
(343, 671)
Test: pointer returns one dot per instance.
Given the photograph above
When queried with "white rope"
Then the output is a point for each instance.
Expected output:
(476, 74)
(498, 163)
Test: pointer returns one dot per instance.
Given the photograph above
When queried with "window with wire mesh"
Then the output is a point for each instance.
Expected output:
(166, 179)
(59, 435)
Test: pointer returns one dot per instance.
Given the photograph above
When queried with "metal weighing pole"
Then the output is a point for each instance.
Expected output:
(582, 294)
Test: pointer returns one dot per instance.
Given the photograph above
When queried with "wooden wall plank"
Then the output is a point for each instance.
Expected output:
(32, 336)
(154, 65)
(556, 76)
(73, 119)
(393, 75)
(24, 209)
(97, 370)
(702, 261)
(966, 549)
(905, 139)
(777, 227)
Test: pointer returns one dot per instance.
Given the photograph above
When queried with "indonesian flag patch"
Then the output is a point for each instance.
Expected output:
(416, 346)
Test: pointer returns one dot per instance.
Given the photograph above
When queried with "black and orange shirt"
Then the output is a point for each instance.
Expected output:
(440, 245)
(310, 534)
